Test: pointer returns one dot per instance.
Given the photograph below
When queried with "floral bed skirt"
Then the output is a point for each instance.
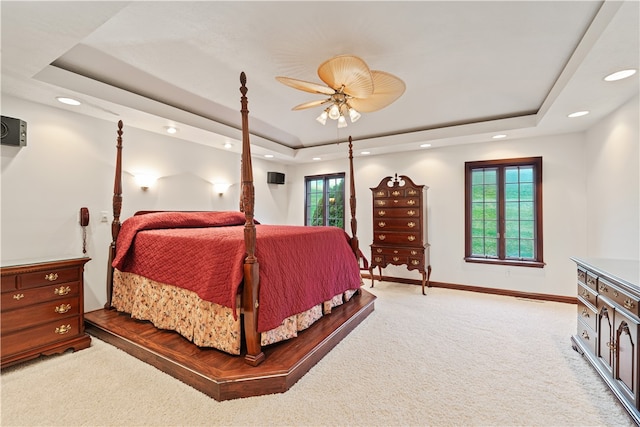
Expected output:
(204, 323)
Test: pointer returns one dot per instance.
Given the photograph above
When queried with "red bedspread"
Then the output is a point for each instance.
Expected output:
(204, 252)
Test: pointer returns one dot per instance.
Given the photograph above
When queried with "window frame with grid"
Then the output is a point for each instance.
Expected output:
(313, 196)
(503, 212)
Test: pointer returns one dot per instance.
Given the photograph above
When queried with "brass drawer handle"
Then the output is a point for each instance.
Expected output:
(382, 202)
(382, 213)
(411, 224)
(52, 277)
(585, 293)
(379, 250)
(603, 288)
(612, 346)
(411, 238)
(585, 313)
(585, 335)
(63, 308)
(63, 329)
(378, 259)
(411, 212)
(18, 297)
(380, 193)
(414, 252)
(411, 202)
(628, 304)
(62, 290)
(382, 237)
(382, 224)
(415, 262)
(396, 259)
(395, 193)
(412, 192)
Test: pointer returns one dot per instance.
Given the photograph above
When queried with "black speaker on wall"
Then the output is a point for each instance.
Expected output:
(14, 132)
(275, 178)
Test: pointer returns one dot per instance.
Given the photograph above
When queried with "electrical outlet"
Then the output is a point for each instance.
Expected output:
(104, 216)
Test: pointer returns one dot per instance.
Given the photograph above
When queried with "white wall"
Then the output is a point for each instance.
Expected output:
(442, 170)
(613, 185)
(69, 162)
(590, 195)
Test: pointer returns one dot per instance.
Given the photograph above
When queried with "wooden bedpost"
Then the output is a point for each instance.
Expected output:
(250, 303)
(355, 245)
(117, 207)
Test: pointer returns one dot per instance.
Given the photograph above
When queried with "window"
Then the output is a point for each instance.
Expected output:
(324, 200)
(503, 212)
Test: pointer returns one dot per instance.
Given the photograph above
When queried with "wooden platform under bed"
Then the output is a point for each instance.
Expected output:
(220, 375)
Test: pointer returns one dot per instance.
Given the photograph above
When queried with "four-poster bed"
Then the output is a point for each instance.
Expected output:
(260, 299)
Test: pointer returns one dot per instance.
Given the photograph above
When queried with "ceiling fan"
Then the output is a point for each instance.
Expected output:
(351, 88)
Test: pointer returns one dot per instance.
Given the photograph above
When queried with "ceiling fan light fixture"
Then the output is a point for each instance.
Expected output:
(334, 112)
(322, 118)
(354, 115)
(342, 122)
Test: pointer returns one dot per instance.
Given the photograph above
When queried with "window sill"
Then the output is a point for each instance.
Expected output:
(511, 262)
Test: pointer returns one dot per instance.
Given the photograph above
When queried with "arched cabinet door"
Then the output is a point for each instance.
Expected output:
(626, 363)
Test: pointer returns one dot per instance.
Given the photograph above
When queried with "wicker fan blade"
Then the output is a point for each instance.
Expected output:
(311, 104)
(305, 86)
(348, 71)
(388, 88)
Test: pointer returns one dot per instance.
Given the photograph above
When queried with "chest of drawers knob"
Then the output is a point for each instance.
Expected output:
(63, 329)
(63, 308)
(62, 290)
(18, 297)
(52, 277)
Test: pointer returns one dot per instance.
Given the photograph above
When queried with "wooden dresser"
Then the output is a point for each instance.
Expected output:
(400, 227)
(42, 309)
(608, 325)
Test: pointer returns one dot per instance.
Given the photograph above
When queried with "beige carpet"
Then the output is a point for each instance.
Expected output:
(450, 358)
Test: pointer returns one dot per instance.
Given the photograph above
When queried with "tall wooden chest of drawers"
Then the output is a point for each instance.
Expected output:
(608, 325)
(42, 309)
(400, 227)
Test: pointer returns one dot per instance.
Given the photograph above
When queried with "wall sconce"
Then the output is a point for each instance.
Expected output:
(145, 181)
(220, 187)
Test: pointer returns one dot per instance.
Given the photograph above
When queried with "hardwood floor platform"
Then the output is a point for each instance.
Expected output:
(223, 376)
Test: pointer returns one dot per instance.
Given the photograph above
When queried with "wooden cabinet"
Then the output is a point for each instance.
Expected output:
(399, 227)
(42, 309)
(609, 325)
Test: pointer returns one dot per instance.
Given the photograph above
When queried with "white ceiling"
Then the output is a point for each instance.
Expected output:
(472, 68)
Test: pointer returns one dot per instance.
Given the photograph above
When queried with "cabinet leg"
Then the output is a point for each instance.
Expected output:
(371, 273)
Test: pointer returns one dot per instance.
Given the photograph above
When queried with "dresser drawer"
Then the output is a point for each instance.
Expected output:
(48, 277)
(13, 320)
(582, 276)
(587, 313)
(620, 297)
(31, 339)
(587, 294)
(592, 281)
(24, 297)
(407, 213)
(409, 252)
(384, 224)
(411, 202)
(9, 282)
(587, 335)
(393, 237)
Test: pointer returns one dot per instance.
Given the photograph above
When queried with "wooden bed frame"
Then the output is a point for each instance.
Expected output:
(249, 298)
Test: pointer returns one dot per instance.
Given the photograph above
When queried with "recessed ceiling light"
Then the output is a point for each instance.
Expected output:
(499, 136)
(365, 152)
(578, 114)
(171, 129)
(268, 156)
(425, 145)
(316, 158)
(620, 75)
(68, 101)
(228, 145)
